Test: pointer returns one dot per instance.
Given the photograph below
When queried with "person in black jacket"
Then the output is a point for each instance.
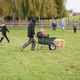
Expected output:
(75, 26)
(31, 34)
(4, 29)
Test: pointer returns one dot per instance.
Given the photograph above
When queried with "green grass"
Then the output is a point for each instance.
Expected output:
(59, 64)
(76, 18)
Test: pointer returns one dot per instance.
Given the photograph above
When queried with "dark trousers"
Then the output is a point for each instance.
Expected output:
(4, 35)
(54, 28)
(74, 30)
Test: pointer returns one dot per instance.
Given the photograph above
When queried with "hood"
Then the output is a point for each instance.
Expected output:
(34, 20)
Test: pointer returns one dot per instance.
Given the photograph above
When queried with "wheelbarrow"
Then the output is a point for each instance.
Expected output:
(47, 41)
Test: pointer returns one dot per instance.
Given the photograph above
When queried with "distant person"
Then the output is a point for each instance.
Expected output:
(63, 25)
(56, 26)
(17, 19)
(75, 26)
(53, 25)
(4, 29)
(40, 33)
(31, 34)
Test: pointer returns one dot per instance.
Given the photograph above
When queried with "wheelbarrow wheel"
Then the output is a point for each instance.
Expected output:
(52, 46)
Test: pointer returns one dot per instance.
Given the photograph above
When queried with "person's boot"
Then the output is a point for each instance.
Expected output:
(22, 48)
(63, 30)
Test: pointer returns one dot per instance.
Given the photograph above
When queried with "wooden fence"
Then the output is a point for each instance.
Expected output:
(23, 24)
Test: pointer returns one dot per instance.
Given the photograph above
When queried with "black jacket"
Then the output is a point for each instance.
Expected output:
(31, 28)
(4, 29)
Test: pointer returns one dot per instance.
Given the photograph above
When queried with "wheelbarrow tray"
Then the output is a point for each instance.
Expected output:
(46, 41)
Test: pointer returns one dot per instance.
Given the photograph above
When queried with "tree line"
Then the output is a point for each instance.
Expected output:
(33, 8)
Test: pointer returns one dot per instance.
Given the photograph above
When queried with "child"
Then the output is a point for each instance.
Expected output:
(63, 25)
(75, 26)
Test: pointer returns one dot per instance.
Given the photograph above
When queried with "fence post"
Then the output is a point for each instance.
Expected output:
(39, 18)
(20, 23)
(52, 19)
(26, 19)
(68, 20)
(39, 22)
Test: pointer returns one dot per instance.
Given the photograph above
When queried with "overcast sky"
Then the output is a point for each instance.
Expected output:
(74, 5)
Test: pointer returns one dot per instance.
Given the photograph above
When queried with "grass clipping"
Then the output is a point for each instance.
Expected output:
(60, 43)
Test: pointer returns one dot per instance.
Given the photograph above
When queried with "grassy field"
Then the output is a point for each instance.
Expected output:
(76, 18)
(59, 64)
